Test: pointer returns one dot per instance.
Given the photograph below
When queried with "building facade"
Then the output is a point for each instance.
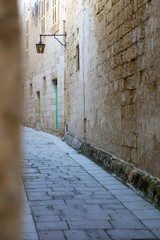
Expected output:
(107, 77)
(113, 99)
(43, 84)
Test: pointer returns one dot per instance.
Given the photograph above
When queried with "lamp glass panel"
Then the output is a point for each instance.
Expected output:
(40, 47)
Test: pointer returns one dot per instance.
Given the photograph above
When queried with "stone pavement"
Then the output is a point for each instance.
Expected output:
(69, 197)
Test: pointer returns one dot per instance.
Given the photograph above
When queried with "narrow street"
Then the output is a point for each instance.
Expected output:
(68, 197)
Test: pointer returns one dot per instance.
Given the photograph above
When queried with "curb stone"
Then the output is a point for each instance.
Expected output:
(144, 184)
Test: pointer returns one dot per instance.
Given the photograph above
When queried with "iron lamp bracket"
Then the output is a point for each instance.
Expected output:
(56, 37)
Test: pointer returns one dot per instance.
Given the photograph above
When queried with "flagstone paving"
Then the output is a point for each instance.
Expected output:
(69, 197)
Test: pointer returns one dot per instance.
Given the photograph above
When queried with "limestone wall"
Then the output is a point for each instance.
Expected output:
(113, 101)
(10, 75)
(41, 69)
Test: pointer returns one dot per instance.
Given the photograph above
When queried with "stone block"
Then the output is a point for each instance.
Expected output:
(123, 234)
(51, 226)
(51, 235)
(89, 224)
(126, 172)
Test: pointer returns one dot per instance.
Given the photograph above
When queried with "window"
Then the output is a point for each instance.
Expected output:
(31, 89)
(38, 110)
(27, 35)
(38, 96)
(43, 13)
(77, 58)
(55, 11)
(44, 84)
(54, 82)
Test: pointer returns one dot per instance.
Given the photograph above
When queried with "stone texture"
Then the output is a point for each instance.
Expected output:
(94, 215)
(130, 234)
(40, 70)
(113, 100)
(51, 235)
(147, 184)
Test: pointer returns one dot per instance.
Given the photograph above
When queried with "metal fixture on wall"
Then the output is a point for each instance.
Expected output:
(41, 46)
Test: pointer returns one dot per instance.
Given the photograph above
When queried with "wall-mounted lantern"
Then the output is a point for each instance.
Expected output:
(41, 46)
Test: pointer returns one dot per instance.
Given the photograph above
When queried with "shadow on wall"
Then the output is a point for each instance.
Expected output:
(10, 77)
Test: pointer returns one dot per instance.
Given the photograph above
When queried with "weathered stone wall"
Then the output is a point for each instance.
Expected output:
(9, 120)
(148, 186)
(113, 101)
(41, 69)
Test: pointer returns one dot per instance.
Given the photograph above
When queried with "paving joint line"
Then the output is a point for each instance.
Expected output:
(114, 195)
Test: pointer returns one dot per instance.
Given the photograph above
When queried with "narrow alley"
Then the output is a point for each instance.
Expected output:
(69, 197)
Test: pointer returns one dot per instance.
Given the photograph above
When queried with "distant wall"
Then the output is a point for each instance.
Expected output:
(113, 101)
(40, 70)
(9, 120)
